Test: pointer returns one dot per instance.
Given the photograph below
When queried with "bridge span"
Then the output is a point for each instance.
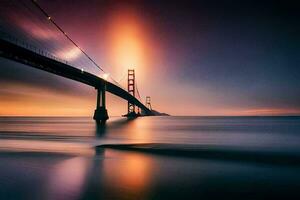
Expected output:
(25, 56)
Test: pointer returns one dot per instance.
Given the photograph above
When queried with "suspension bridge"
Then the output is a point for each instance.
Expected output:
(23, 46)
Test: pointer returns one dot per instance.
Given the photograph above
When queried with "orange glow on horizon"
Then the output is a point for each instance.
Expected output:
(271, 111)
(35, 100)
(27, 100)
(252, 112)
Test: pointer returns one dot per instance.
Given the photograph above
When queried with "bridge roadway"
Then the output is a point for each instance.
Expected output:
(22, 55)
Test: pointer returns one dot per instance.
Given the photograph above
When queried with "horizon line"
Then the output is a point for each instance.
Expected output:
(298, 115)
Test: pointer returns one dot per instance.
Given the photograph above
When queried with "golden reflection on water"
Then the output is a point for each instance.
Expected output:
(142, 131)
(132, 171)
(136, 131)
(126, 131)
(109, 174)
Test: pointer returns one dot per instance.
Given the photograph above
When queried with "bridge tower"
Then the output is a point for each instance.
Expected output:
(148, 103)
(131, 89)
(101, 114)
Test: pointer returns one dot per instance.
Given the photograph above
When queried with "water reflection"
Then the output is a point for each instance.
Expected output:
(123, 124)
(100, 129)
(94, 185)
(114, 175)
(66, 181)
(77, 170)
(135, 173)
(132, 175)
(125, 130)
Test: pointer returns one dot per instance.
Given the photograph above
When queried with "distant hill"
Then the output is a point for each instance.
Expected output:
(156, 113)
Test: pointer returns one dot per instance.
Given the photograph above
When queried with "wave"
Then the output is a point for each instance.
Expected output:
(211, 152)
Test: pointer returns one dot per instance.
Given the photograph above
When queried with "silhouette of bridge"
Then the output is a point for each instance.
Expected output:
(22, 52)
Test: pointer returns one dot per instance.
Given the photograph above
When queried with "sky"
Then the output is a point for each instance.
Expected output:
(191, 57)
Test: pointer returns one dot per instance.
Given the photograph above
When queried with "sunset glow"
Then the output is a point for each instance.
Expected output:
(127, 42)
(143, 99)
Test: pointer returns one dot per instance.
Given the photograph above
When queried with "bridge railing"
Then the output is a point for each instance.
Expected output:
(22, 43)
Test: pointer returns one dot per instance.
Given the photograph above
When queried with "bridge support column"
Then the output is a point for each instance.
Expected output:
(100, 114)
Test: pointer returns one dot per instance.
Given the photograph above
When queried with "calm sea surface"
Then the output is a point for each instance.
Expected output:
(150, 158)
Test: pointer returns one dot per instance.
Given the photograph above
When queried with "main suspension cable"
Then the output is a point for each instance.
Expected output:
(63, 32)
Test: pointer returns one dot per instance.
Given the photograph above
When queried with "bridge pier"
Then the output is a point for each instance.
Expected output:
(100, 114)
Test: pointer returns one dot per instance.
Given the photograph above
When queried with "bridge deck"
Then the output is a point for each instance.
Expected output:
(33, 59)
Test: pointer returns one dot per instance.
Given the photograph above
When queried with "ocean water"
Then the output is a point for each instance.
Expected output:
(150, 158)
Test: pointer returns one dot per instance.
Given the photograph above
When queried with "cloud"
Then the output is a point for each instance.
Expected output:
(69, 54)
